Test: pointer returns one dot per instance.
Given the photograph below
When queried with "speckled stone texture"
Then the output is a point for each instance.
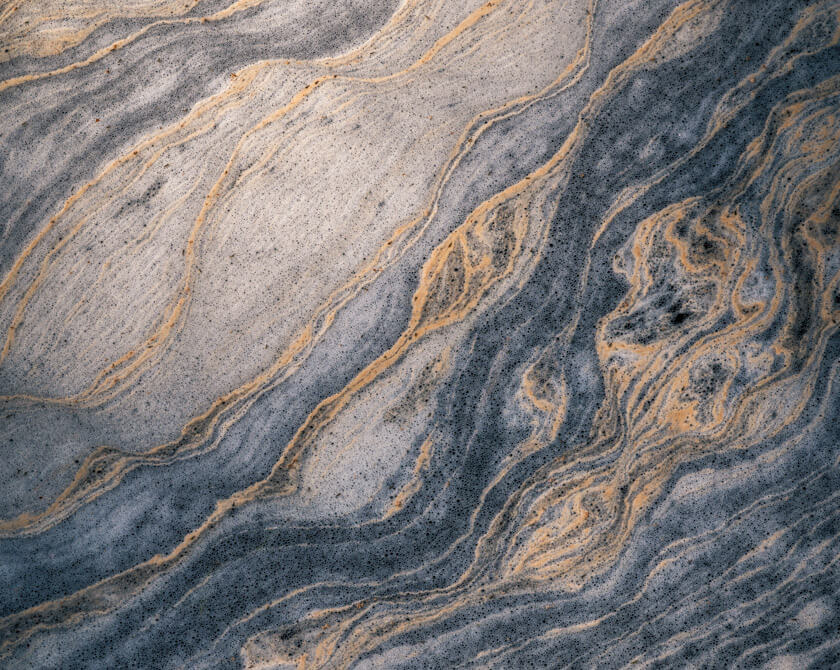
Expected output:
(419, 334)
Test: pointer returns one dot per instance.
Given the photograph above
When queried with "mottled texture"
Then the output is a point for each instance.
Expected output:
(439, 334)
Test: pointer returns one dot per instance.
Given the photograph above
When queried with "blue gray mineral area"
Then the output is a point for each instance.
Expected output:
(419, 334)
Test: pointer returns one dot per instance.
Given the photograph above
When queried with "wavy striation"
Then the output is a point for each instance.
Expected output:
(494, 334)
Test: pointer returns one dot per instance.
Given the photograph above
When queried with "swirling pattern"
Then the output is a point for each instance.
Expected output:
(495, 334)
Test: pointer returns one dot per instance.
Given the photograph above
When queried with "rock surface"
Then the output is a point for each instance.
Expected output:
(420, 335)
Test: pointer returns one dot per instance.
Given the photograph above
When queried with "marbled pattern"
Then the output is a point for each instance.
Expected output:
(433, 334)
